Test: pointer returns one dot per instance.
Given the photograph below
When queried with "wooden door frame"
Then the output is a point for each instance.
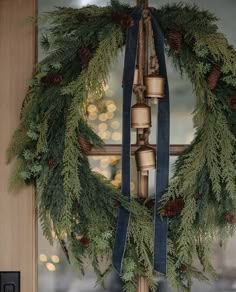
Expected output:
(18, 224)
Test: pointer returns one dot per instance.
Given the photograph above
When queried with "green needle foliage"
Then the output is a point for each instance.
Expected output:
(77, 204)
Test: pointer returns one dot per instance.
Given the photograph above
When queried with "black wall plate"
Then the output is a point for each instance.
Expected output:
(9, 281)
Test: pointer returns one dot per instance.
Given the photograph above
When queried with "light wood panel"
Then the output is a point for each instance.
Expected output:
(17, 211)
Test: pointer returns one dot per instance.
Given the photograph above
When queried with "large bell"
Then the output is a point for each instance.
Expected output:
(145, 158)
(155, 87)
(136, 76)
(141, 116)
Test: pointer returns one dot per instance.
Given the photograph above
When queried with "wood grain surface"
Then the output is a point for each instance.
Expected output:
(17, 210)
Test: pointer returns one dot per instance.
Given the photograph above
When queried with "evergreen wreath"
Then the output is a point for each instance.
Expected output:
(81, 206)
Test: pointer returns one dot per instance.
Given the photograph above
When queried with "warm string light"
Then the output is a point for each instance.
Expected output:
(55, 259)
(49, 265)
(101, 116)
(43, 258)
(104, 112)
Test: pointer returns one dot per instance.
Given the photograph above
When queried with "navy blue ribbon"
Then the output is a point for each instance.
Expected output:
(128, 77)
(163, 144)
(162, 173)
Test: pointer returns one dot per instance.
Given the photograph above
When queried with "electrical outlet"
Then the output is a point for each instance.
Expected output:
(9, 281)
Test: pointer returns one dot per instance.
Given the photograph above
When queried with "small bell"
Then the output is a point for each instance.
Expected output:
(141, 116)
(155, 87)
(145, 158)
(136, 76)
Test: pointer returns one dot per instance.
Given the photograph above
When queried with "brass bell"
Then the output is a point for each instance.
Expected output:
(136, 76)
(155, 87)
(145, 158)
(141, 116)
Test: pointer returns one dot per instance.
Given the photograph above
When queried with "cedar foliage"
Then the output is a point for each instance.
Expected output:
(75, 202)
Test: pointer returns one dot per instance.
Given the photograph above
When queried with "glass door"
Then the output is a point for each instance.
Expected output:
(54, 272)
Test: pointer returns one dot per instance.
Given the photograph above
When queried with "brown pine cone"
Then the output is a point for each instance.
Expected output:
(57, 79)
(230, 218)
(183, 268)
(52, 163)
(124, 20)
(213, 77)
(51, 79)
(175, 41)
(147, 203)
(197, 195)
(140, 200)
(116, 204)
(173, 208)
(152, 9)
(150, 204)
(232, 102)
(85, 241)
(85, 55)
(84, 144)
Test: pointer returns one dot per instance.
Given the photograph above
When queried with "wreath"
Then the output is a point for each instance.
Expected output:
(53, 136)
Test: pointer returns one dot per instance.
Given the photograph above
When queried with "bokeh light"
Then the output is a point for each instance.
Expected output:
(102, 127)
(115, 125)
(110, 115)
(93, 116)
(51, 267)
(103, 117)
(43, 258)
(111, 107)
(55, 259)
(92, 108)
(104, 162)
(116, 136)
(105, 87)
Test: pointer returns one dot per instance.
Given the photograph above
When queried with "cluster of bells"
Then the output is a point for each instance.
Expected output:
(145, 156)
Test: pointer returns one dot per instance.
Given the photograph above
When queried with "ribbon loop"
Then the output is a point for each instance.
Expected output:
(128, 78)
(163, 144)
(163, 126)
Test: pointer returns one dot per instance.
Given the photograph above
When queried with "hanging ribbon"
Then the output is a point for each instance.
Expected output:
(128, 77)
(163, 144)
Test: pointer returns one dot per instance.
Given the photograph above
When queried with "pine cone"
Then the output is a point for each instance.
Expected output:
(116, 204)
(150, 204)
(85, 241)
(52, 163)
(152, 9)
(183, 268)
(232, 102)
(213, 77)
(51, 79)
(84, 144)
(140, 200)
(81, 16)
(173, 208)
(147, 203)
(197, 195)
(85, 55)
(124, 20)
(230, 218)
(175, 41)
